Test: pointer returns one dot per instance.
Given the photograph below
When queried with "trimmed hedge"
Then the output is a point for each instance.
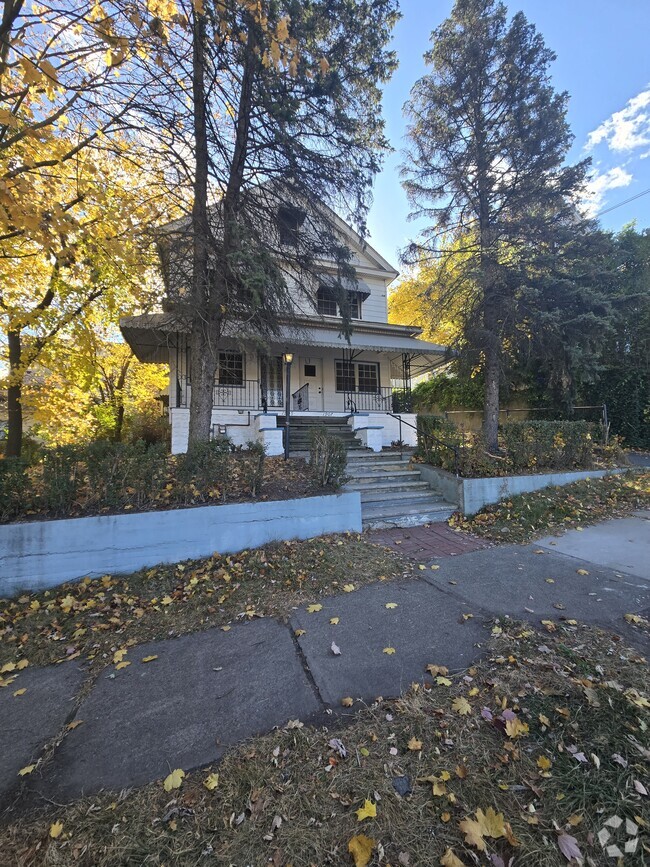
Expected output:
(104, 477)
(525, 446)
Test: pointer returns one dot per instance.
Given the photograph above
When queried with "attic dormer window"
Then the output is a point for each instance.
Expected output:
(289, 220)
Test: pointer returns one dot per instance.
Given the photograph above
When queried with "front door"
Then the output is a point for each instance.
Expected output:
(311, 373)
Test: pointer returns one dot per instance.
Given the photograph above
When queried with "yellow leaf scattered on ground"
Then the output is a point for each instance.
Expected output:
(21, 664)
(544, 763)
(360, 847)
(582, 571)
(55, 830)
(26, 770)
(414, 744)
(368, 811)
(347, 702)
(461, 706)
(435, 670)
(121, 665)
(443, 681)
(174, 780)
(335, 621)
(166, 600)
(348, 588)
(312, 609)
(515, 728)
(299, 632)
(150, 658)
(450, 859)
(211, 782)
(226, 628)
(473, 833)
(389, 650)
(391, 605)
(20, 692)
(434, 567)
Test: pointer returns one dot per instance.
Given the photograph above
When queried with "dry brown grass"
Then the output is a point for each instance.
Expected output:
(91, 618)
(290, 798)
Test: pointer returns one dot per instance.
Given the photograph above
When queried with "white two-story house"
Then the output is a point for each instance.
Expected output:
(311, 368)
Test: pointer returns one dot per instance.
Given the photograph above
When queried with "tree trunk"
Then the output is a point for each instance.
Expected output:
(14, 397)
(203, 352)
(491, 409)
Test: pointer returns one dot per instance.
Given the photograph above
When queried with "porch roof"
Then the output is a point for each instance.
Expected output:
(150, 335)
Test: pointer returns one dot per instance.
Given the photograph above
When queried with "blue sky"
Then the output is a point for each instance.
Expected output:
(603, 61)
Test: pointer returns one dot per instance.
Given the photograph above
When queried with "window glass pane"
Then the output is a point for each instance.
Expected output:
(367, 377)
(355, 305)
(326, 302)
(288, 225)
(231, 368)
(344, 376)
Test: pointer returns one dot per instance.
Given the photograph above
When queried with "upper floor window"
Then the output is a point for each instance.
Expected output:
(327, 305)
(230, 370)
(289, 220)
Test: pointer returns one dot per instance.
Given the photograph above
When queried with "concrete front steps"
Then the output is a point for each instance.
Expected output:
(301, 427)
(393, 493)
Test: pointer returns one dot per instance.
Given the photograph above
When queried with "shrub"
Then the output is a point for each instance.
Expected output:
(15, 491)
(125, 474)
(327, 458)
(62, 477)
(252, 467)
(552, 445)
(204, 469)
(433, 433)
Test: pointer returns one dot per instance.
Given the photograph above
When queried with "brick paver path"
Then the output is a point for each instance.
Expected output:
(430, 540)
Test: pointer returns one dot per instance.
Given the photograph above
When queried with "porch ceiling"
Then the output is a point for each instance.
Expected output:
(152, 335)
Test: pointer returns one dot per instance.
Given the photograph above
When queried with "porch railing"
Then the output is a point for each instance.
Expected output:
(377, 400)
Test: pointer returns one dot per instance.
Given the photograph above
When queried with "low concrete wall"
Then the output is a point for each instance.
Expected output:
(472, 494)
(42, 554)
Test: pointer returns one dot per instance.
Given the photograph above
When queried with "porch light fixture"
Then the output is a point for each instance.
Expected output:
(288, 358)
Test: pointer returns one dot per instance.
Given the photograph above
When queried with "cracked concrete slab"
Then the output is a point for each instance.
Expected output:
(514, 580)
(426, 627)
(29, 721)
(622, 544)
(205, 692)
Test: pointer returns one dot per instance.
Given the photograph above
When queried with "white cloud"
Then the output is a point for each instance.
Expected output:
(627, 129)
(599, 184)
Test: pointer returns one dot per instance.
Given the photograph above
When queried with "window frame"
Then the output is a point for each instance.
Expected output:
(354, 299)
(355, 376)
(232, 353)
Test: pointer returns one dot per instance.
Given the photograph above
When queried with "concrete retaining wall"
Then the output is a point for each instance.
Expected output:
(41, 554)
(472, 494)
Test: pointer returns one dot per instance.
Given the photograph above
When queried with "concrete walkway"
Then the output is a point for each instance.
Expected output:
(210, 690)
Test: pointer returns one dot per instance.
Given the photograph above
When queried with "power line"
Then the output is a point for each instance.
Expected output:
(620, 204)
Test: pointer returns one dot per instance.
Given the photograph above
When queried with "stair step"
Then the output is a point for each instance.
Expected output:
(398, 498)
(388, 487)
(386, 476)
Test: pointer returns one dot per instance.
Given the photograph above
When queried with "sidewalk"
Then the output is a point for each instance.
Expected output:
(207, 691)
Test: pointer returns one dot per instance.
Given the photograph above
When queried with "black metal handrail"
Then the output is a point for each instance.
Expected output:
(430, 436)
(301, 398)
(244, 396)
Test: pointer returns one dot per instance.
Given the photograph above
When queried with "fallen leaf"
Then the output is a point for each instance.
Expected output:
(360, 847)
(391, 605)
(121, 665)
(73, 725)
(543, 763)
(435, 670)
(414, 744)
(389, 650)
(312, 609)
(347, 702)
(299, 632)
(348, 588)
(20, 692)
(449, 859)
(443, 681)
(461, 706)
(473, 833)
(515, 728)
(211, 782)
(55, 830)
(434, 567)
(150, 658)
(640, 788)
(582, 572)
(568, 846)
(174, 780)
(226, 628)
(368, 811)
(26, 770)
(336, 650)
(333, 620)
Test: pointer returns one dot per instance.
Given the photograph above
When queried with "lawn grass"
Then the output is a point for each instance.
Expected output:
(90, 619)
(553, 510)
(549, 732)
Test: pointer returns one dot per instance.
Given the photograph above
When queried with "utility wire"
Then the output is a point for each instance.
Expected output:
(625, 202)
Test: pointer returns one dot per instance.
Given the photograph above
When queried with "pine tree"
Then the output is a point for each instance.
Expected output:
(488, 138)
